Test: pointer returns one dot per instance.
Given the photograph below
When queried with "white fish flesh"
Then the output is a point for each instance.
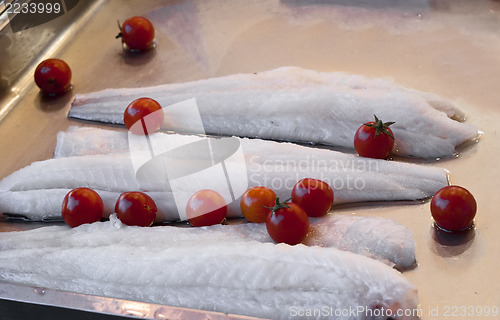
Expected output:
(298, 105)
(375, 237)
(46, 204)
(172, 266)
(379, 238)
(79, 141)
(268, 163)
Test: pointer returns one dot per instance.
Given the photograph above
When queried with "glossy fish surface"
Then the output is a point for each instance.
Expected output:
(297, 105)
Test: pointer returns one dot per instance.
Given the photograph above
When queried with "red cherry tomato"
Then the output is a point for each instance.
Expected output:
(314, 196)
(374, 139)
(254, 201)
(82, 205)
(287, 223)
(453, 208)
(136, 209)
(143, 116)
(137, 33)
(205, 208)
(53, 76)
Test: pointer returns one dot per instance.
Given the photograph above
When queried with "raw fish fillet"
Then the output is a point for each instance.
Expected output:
(297, 105)
(46, 204)
(268, 163)
(79, 141)
(173, 266)
(375, 237)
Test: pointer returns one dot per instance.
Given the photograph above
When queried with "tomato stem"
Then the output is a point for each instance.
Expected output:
(279, 205)
(119, 35)
(381, 127)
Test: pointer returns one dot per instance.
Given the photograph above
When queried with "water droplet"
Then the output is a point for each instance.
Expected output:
(136, 313)
(40, 291)
(164, 313)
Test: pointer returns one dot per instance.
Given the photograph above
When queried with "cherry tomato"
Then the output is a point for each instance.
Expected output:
(205, 208)
(453, 208)
(137, 33)
(374, 139)
(82, 205)
(254, 201)
(314, 196)
(146, 114)
(136, 209)
(287, 223)
(53, 76)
